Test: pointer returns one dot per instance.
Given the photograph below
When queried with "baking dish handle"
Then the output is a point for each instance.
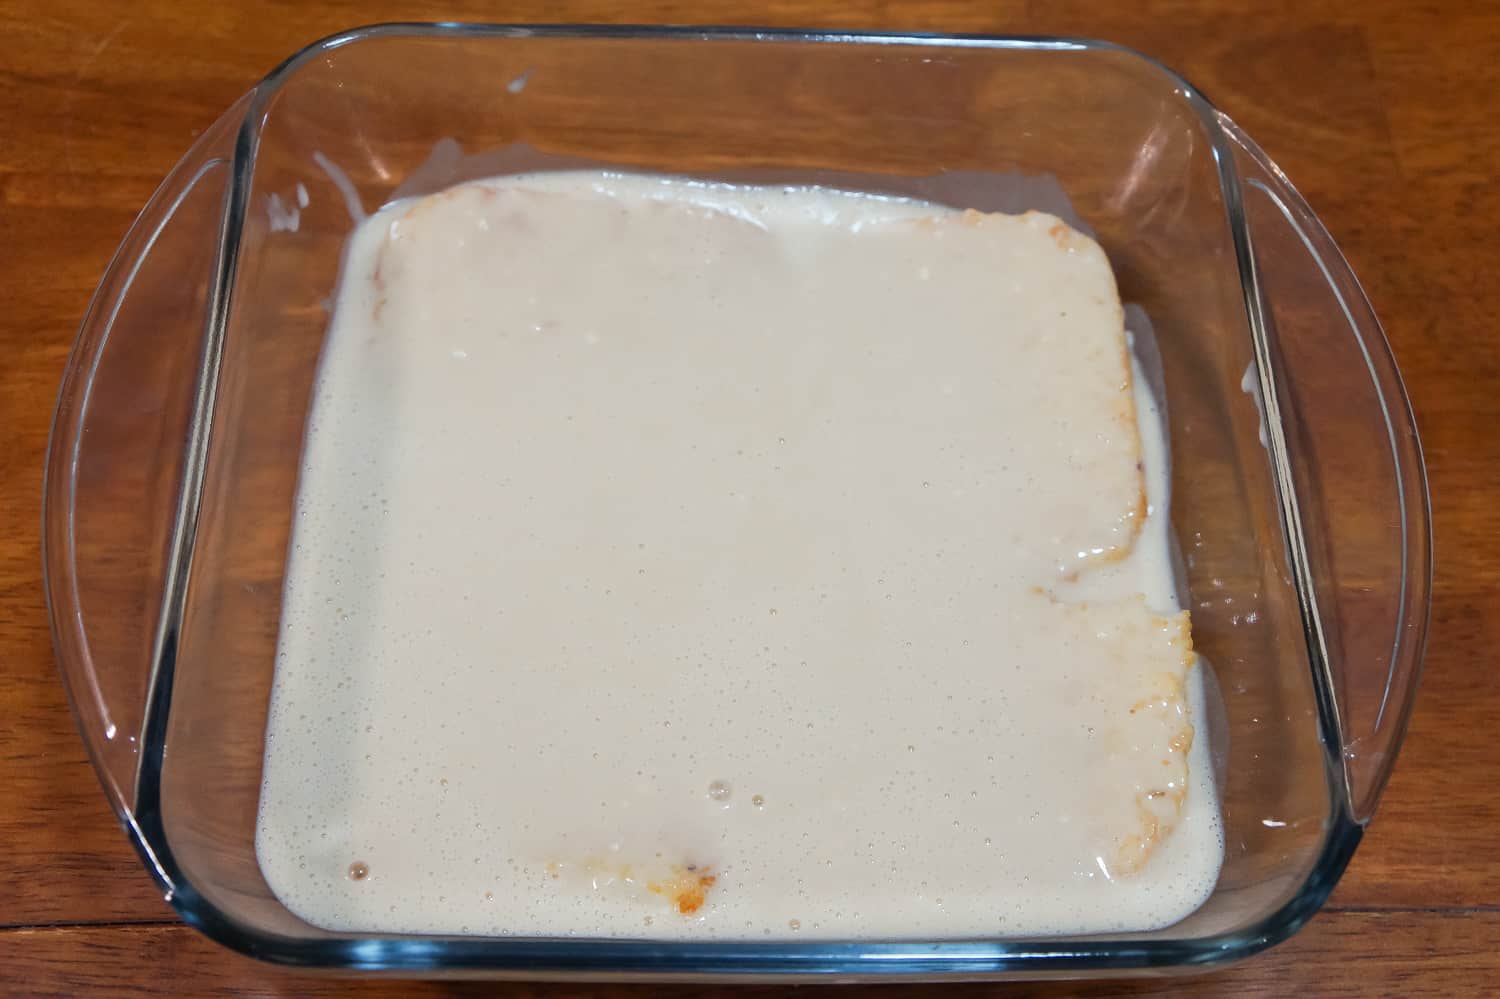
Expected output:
(115, 457)
(1343, 436)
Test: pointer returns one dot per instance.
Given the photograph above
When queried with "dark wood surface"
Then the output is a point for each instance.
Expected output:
(1382, 113)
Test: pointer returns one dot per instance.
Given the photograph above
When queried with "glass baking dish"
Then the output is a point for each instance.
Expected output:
(1299, 497)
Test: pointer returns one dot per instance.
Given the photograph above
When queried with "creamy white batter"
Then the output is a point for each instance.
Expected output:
(686, 561)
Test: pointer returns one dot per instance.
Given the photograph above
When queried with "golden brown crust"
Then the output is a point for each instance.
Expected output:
(1159, 806)
(1157, 720)
(686, 888)
(1068, 239)
(685, 885)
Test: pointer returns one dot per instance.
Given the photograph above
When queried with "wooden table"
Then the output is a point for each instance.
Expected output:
(1383, 113)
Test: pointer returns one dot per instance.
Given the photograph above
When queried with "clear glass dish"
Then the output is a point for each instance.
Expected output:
(1299, 498)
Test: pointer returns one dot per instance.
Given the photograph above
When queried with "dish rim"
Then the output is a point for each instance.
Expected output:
(649, 959)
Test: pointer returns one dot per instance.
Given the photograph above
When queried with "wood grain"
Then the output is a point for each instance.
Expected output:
(1382, 113)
